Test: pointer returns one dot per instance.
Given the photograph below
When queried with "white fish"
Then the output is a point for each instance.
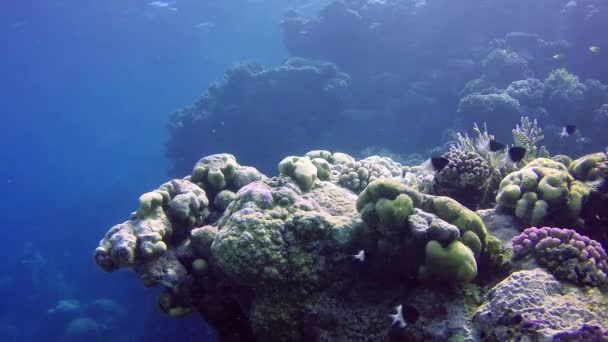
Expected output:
(360, 256)
(398, 317)
(205, 25)
(583, 140)
(162, 5)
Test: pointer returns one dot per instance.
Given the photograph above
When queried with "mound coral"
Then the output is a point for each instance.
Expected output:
(404, 220)
(356, 175)
(567, 254)
(543, 188)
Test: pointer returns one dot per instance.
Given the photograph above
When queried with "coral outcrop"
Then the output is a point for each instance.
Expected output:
(301, 256)
(534, 305)
(272, 259)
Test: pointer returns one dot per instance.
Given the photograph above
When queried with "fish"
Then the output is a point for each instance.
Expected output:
(398, 317)
(436, 164)
(583, 140)
(360, 256)
(567, 131)
(205, 25)
(163, 5)
(515, 154)
(594, 49)
(558, 56)
(490, 146)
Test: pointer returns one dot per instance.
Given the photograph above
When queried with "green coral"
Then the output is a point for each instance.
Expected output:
(321, 154)
(579, 193)
(457, 214)
(508, 195)
(381, 188)
(394, 213)
(301, 169)
(214, 171)
(545, 188)
(323, 168)
(454, 263)
(306, 170)
(472, 241)
(586, 167)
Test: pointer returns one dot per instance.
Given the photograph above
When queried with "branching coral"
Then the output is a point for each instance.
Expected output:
(529, 135)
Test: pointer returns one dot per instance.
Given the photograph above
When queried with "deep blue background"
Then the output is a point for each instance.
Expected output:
(86, 90)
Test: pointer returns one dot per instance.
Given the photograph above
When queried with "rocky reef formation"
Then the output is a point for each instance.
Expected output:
(533, 305)
(289, 99)
(308, 256)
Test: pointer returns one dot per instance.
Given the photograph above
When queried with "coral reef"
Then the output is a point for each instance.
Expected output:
(276, 262)
(567, 254)
(301, 256)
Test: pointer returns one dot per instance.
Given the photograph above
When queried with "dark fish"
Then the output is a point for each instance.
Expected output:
(490, 146)
(516, 154)
(496, 146)
(438, 163)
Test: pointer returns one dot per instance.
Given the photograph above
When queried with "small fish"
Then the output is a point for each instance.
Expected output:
(205, 25)
(583, 140)
(398, 317)
(436, 164)
(163, 5)
(594, 49)
(360, 256)
(558, 56)
(567, 131)
(491, 146)
(515, 154)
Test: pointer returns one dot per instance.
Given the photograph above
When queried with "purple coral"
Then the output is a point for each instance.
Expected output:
(565, 252)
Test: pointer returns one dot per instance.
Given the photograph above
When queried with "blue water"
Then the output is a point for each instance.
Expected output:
(87, 89)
